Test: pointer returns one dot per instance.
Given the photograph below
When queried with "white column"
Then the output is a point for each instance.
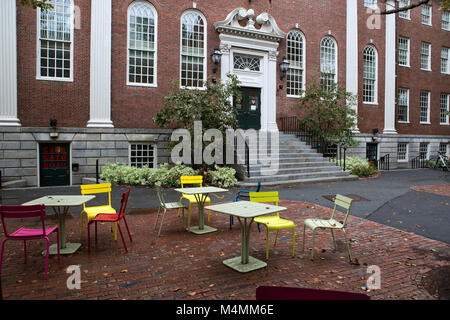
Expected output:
(390, 70)
(100, 93)
(269, 117)
(8, 64)
(351, 62)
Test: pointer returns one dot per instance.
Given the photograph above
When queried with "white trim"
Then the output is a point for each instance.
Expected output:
(429, 56)
(38, 47)
(8, 64)
(407, 106)
(100, 68)
(375, 93)
(155, 148)
(431, 14)
(448, 60)
(205, 48)
(408, 58)
(406, 152)
(303, 69)
(336, 53)
(390, 91)
(155, 43)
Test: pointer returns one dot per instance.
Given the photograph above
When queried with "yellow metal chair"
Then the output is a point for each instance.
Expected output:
(191, 181)
(331, 223)
(91, 212)
(272, 222)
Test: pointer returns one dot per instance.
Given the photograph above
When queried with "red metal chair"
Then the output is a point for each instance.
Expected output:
(24, 234)
(112, 218)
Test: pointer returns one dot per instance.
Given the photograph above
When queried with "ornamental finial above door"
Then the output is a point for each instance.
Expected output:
(268, 28)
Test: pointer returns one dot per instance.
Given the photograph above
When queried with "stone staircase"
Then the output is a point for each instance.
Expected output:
(297, 163)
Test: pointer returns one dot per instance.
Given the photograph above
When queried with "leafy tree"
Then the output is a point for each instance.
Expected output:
(329, 113)
(213, 106)
(43, 4)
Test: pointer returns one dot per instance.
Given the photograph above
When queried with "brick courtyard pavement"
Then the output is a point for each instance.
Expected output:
(440, 189)
(182, 265)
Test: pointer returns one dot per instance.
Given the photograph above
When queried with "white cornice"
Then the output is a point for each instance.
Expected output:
(268, 30)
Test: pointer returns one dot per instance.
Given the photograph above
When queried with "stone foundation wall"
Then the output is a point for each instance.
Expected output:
(19, 149)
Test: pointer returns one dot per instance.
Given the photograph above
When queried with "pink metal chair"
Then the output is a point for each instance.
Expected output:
(24, 234)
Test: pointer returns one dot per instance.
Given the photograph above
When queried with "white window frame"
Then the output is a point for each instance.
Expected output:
(444, 21)
(446, 144)
(205, 47)
(370, 4)
(428, 107)
(155, 151)
(447, 50)
(447, 101)
(335, 80)
(428, 149)
(407, 52)
(429, 56)
(38, 46)
(406, 152)
(155, 46)
(430, 12)
(404, 14)
(375, 92)
(303, 62)
(407, 105)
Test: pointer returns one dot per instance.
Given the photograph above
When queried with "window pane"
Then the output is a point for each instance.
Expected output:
(193, 35)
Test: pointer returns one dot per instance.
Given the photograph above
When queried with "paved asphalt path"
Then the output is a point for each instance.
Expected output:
(389, 199)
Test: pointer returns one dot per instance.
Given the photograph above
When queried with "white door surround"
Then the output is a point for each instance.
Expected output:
(261, 43)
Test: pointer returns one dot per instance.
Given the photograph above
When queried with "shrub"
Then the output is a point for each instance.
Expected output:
(124, 174)
(358, 166)
(222, 176)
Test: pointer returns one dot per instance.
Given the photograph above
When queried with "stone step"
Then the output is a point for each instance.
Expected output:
(291, 171)
(296, 176)
(288, 165)
(245, 184)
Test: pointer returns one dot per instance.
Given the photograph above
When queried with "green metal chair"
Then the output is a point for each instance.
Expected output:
(331, 223)
(166, 206)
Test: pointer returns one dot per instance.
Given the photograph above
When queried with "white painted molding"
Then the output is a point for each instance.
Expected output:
(8, 64)
(268, 30)
(100, 77)
(351, 63)
(390, 70)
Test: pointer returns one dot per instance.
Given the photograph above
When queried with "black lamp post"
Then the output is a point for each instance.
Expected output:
(284, 66)
(215, 57)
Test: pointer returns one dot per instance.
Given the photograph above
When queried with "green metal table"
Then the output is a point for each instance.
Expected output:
(245, 211)
(60, 205)
(201, 194)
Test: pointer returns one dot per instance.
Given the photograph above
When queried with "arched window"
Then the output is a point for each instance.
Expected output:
(142, 44)
(193, 49)
(328, 63)
(370, 75)
(55, 41)
(295, 48)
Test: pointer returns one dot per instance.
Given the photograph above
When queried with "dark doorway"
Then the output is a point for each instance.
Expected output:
(372, 153)
(248, 106)
(54, 159)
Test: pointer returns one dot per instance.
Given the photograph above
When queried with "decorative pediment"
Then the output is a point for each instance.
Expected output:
(261, 27)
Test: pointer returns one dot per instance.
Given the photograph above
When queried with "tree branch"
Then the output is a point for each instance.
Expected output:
(405, 8)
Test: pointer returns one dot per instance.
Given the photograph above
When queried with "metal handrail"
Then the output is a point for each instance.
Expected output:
(293, 125)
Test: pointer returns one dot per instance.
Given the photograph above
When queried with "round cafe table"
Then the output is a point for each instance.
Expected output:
(61, 205)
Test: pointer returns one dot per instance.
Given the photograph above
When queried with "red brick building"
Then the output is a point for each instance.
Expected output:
(102, 68)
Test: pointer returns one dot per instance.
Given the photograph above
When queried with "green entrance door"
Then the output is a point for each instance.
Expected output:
(54, 164)
(248, 105)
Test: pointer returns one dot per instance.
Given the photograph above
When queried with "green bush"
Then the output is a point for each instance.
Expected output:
(358, 166)
(124, 174)
(222, 176)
